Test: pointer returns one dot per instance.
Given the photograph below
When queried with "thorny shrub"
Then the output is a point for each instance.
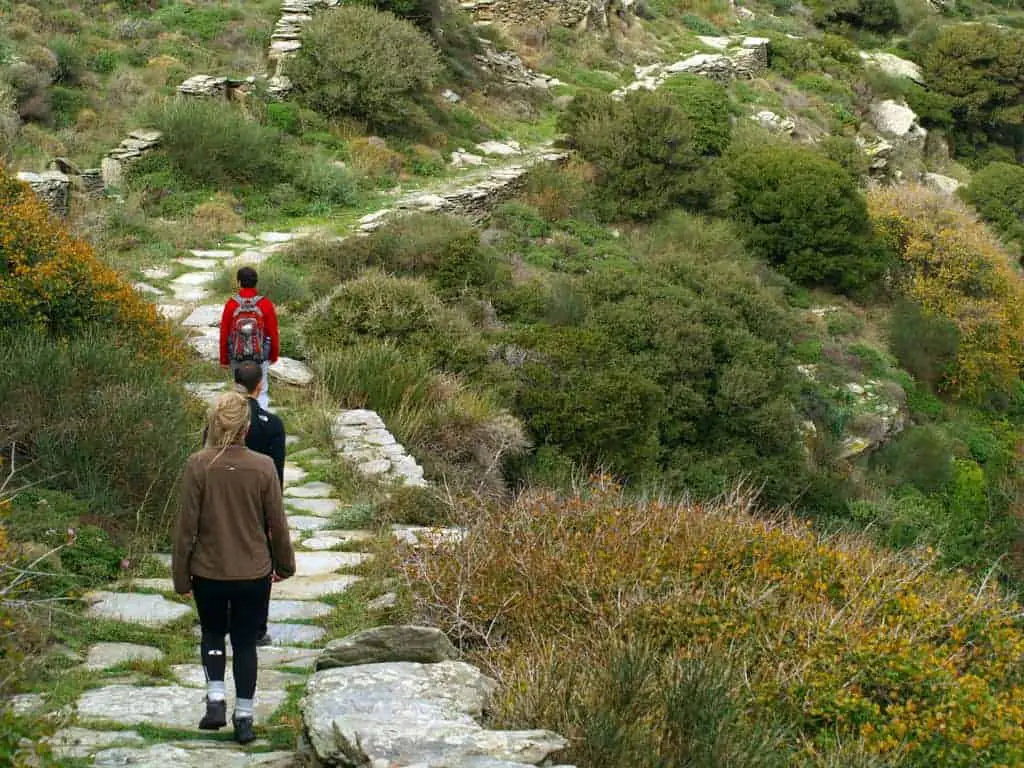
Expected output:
(841, 640)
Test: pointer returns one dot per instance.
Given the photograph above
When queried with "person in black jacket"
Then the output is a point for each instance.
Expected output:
(266, 432)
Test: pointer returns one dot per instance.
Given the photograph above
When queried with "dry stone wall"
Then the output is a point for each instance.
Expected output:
(741, 59)
(589, 14)
(52, 187)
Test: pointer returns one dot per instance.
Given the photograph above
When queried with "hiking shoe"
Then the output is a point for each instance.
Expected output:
(243, 729)
(216, 716)
(265, 640)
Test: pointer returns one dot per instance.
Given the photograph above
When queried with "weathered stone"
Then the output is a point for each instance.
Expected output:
(414, 715)
(499, 148)
(25, 703)
(147, 288)
(424, 645)
(277, 237)
(168, 706)
(378, 437)
(190, 279)
(313, 587)
(207, 392)
(359, 417)
(384, 602)
(374, 467)
(315, 490)
(156, 273)
(175, 756)
(52, 187)
(206, 86)
(893, 66)
(293, 474)
(82, 743)
(947, 185)
(106, 655)
(317, 507)
(132, 608)
(282, 633)
(193, 676)
(206, 341)
(321, 542)
(306, 523)
(896, 119)
(774, 123)
(159, 585)
(216, 255)
(291, 371)
(289, 610)
(316, 563)
(206, 315)
(203, 264)
(248, 258)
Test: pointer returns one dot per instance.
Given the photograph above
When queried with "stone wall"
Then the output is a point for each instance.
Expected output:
(741, 59)
(138, 143)
(52, 187)
(589, 14)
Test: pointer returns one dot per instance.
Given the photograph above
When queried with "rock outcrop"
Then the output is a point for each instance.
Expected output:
(423, 645)
(742, 58)
(893, 66)
(211, 87)
(52, 187)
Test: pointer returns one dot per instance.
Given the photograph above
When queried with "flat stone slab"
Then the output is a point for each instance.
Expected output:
(204, 316)
(174, 756)
(156, 273)
(133, 608)
(283, 633)
(189, 293)
(216, 254)
(313, 587)
(207, 343)
(158, 584)
(192, 676)
(349, 535)
(289, 610)
(320, 542)
(293, 474)
(207, 392)
(248, 258)
(167, 706)
(406, 714)
(290, 371)
(107, 655)
(306, 523)
(147, 288)
(276, 237)
(317, 507)
(317, 563)
(316, 490)
(194, 279)
(204, 264)
(82, 743)
(25, 703)
(359, 417)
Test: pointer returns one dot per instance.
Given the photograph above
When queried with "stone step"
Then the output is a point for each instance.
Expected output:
(313, 587)
(107, 655)
(320, 563)
(286, 610)
(316, 507)
(314, 490)
(133, 608)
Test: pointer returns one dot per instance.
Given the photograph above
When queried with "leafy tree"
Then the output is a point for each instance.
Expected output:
(978, 69)
(363, 63)
(997, 191)
(804, 214)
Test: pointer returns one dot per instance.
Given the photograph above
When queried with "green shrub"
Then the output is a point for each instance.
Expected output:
(324, 183)
(70, 61)
(975, 69)
(111, 428)
(92, 556)
(284, 116)
(66, 103)
(921, 457)
(925, 344)
(281, 283)
(646, 153)
(880, 16)
(706, 104)
(213, 143)
(376, 374)
(997, 191)
(804, 214)
(358, 62)
(103, 62)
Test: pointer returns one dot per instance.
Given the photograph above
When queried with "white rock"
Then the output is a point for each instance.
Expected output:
(315, 490)
(167, 706)
(375, 467)
(106, 655)
(189, 293)
(450, 96)
(81, 743)
(382, 603)
(25, 703)
(203, 264)
(893, 66)
(359, 417)
(206, 315)
(156, 273)
(897, 119)
(321, 542)
(293, 474)
(294, 634)
(159, 585)
(313, 587)
(249, 258)
(206, 341)
(462, 159)
(193, 279)
(320, 563)
(147, 610)
(304, 523)
(147, 288)
(378, 437)
(291, 371)
(773, 122)
(170, 311)
(316, 507)
(498, 149)
(218, 254)
(719, 43)
(175, 756)
(290, 610)
(947, 185)
(277, 237)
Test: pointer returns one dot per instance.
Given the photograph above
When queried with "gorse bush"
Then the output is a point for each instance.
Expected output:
(838, 642)
(52, 282)
(649, 155)
(210, 142)
(950, 265)
(363, 63)
(804, 214)
(997, 191)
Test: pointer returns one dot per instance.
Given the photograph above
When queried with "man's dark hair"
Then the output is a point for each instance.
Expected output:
(249, 375)
(247, 277)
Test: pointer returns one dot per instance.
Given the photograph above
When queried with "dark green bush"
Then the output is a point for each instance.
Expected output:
(367, 64)
(921, 457)
(70, 60)
(924, 344)
(997, 191)
(646, 153)
(706, 104)
(97, 420)
(804, 214)
(975, 69)
(213, 143)
(880, 16)
(92, 556)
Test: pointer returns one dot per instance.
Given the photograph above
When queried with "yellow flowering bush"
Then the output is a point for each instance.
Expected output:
(53, 281)
(957, 270)
(839, 639)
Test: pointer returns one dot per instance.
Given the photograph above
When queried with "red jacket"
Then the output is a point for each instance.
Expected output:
(269, 323)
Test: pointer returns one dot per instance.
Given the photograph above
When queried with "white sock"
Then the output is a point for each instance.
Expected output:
(215, 690)
(243, 707)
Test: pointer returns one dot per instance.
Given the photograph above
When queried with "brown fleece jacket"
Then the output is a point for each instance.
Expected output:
(231, 524)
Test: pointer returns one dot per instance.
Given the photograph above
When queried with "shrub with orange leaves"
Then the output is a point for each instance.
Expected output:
(53, 282)
(955, 269)
(843, 642)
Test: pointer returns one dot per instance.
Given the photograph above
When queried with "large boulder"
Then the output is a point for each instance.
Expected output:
(425, 645)
(893, 66)
(894, 118)
(405, 714)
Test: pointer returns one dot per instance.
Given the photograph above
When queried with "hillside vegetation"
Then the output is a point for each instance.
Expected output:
(728, 399)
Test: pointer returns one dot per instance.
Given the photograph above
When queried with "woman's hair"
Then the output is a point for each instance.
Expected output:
(227, 421)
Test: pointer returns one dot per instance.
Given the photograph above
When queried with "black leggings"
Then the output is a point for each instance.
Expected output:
(238, 608)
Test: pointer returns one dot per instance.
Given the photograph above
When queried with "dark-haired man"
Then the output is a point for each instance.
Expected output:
(248, 330)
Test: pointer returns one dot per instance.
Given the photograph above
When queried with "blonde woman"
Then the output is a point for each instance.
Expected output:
(230, 541)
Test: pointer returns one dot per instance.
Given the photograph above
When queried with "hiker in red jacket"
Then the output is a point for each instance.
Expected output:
(248, 330)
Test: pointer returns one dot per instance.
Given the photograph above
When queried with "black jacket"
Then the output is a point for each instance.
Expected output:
(266, 436)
